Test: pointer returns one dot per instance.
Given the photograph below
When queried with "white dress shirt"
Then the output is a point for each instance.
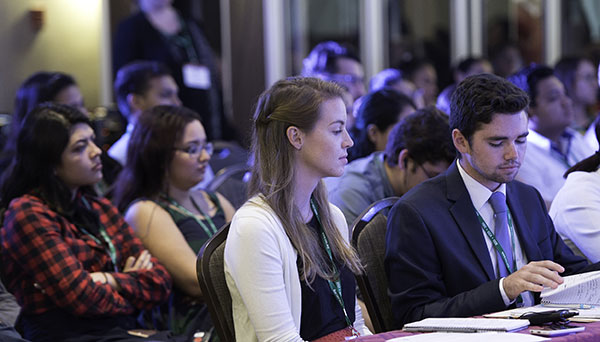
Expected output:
(576, 212)
(544, 166)
(479, 196)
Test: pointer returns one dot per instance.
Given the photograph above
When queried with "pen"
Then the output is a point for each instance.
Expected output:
(568, 306)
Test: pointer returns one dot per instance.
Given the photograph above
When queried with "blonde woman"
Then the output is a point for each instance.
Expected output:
(288, 263)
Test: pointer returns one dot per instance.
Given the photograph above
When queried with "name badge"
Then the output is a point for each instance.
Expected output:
(196, 76)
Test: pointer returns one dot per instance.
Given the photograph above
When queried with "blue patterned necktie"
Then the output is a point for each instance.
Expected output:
(498, 203)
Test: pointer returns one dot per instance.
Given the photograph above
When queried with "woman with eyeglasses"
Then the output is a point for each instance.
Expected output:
(166, 158)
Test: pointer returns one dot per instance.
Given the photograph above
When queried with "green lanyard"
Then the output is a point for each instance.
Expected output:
(112, 251)
(335, 286)
(184, 40)
(210, 231)
(499, 248)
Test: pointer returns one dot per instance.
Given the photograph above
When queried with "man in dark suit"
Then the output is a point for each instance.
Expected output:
(451, 249)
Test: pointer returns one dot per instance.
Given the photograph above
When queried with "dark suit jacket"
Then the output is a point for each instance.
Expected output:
(437, 260)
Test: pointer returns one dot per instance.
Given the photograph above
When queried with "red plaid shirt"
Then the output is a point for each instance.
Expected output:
(47, 260)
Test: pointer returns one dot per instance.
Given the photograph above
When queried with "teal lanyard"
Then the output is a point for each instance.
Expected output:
(184, 40)
(499, 248)
(210, 230)
(335, 286)
(112, 251)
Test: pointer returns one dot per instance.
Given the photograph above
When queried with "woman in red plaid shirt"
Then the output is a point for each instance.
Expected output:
(73, 263)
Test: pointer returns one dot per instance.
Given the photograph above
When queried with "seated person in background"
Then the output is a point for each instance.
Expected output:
(58, 88)
(168, 153)
(392, 78)
(553, 147)
(575, 210)
(378, 113)
(334, 62)
(579, 76)
(440, 257)
(40, 87)
(423, 75)
(419, 147)
(288, 263)
(73, 263)
(140, 86)
(465, 68)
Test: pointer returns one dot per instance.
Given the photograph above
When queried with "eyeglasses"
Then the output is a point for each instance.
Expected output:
(196, 149)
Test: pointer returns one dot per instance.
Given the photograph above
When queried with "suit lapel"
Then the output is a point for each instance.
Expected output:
(527, 241)
(463, 212)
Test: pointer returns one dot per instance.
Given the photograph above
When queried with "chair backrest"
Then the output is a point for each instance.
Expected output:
(574, 248)
(232, 183)
(210, 267)
(227, 153)
(368, 237)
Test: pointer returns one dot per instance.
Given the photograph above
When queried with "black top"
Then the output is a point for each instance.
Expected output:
(321, 312)
(136, 39)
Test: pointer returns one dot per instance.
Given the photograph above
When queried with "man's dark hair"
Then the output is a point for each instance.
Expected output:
(528, 78)
(479, 97)
(425, 134)
(410, 68)
(380, 108)
(323, 58)
(467, 63)
(134, 78)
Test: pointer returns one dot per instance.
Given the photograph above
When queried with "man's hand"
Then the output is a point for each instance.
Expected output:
(533, 277)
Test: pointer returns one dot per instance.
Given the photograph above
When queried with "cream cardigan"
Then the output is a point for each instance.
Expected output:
(262, 275)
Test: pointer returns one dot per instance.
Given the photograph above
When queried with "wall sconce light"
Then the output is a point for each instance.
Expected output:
(36, 17)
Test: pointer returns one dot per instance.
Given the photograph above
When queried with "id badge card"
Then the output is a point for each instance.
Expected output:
(196, 76)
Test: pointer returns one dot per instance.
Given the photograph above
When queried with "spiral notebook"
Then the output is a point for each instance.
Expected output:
(467, 324)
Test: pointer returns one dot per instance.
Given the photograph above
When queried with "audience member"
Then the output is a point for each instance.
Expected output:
(575, 210)
(70, 259)
(159, 33)
(465, 68)
(423, 75)
(506, 60)
(419, 147)
(578, 75)
(54, 87)
(337, 63)
(167, 157)
(140, 86)
(378, 113)
(40, 87)
(449, 251)
(288, 264)
(553, 146)
(392, 78)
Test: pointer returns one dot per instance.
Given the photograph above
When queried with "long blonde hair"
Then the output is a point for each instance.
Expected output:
(295, 102)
